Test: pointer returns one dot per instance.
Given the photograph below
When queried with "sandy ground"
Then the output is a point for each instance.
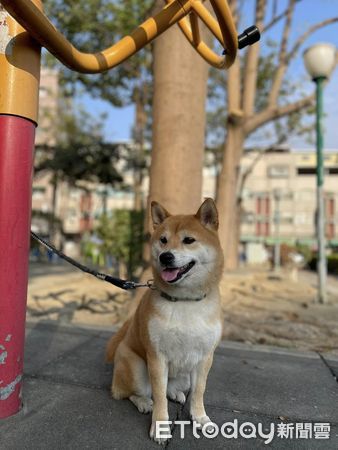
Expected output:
(265, 308)
(70, 296)
(259, 306)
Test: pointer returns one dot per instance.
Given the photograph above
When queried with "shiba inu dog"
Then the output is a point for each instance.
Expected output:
(166, 348)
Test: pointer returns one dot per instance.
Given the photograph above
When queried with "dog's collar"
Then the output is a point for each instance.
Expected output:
(177, 299)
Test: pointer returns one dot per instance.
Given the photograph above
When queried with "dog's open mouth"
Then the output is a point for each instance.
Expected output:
(173, 274)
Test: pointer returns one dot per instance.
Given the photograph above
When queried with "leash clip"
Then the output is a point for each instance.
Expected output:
(131, 285)
(150, 284)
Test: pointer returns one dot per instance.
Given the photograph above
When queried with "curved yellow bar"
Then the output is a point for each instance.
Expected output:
(209, 21)
(224, 30)
(39, 26)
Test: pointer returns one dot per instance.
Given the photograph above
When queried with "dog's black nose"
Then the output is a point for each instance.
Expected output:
(167, 258)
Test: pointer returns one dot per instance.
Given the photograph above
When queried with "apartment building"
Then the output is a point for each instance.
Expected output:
(76, 209)
(279, 196)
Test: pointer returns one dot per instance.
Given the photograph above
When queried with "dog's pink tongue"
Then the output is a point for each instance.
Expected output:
(169, 274)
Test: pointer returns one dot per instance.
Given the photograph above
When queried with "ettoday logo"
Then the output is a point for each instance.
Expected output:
(246, 430)
(210, 430)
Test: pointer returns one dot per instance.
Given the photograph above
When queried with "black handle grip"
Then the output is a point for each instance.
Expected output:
(249, 36)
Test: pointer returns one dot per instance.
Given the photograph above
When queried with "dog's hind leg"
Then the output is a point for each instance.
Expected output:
(131, 380)
(142, 389)
(177, 387)
(122, 385)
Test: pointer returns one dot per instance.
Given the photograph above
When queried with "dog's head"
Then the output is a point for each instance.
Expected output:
(186, 252)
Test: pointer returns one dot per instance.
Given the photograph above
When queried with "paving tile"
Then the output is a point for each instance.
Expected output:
(84, 365)
(332, 363)
(59, 416)
(221, 416)
(272, 384)
(45, 342)
(67, 404)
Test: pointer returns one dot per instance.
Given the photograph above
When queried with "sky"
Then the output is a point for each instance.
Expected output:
(119, 120)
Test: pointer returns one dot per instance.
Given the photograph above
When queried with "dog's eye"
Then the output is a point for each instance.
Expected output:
(163, 239)
(188, 240)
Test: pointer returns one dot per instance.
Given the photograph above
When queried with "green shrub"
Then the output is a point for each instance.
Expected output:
(332, 263)
(122, 237)
(305, 251)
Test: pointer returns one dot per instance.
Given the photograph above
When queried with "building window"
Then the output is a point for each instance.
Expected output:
(262, 215)
(310, 171)
(330, 217)
(278, 171)
(306, 171)
(38, 191)
(262, 228)
(248, 217)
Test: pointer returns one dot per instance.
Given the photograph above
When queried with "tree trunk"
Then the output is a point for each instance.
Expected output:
(180, 83)
(180, 88)
(227, 204)
(140, 124)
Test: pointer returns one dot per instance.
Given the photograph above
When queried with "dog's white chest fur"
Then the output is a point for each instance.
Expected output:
(184, 333)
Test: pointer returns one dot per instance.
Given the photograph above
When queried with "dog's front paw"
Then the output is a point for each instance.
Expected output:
(143, 404)
(205, 420)
(160, 431)
(177, 396)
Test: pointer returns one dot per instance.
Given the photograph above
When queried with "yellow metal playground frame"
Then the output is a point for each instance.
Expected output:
(30, 28)
(23, 30)
(31, 17)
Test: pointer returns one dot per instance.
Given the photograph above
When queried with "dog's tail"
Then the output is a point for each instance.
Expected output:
(114, 342)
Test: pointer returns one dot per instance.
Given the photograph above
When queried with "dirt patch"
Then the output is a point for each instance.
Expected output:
(259, 307)
(76, 298)
(264, 308)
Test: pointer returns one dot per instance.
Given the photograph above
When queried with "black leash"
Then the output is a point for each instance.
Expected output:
(122, 284)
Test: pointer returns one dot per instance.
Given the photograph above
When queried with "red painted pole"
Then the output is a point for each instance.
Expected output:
(16, 165)
(19, 88)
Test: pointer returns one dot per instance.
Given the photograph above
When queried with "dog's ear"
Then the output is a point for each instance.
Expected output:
(208, 215)
(158, 213)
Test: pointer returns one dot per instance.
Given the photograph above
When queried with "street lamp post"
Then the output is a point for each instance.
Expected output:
(320, 60)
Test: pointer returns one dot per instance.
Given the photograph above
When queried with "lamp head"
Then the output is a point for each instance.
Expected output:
(320, 60)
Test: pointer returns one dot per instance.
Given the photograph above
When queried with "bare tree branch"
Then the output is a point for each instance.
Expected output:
(307, 33)
(234, 89)
(245, 175)
(251, 63)
(286, 32)
(272, 113)
(273, 22)
(234, 77)
(234, 10)
(282, 64)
